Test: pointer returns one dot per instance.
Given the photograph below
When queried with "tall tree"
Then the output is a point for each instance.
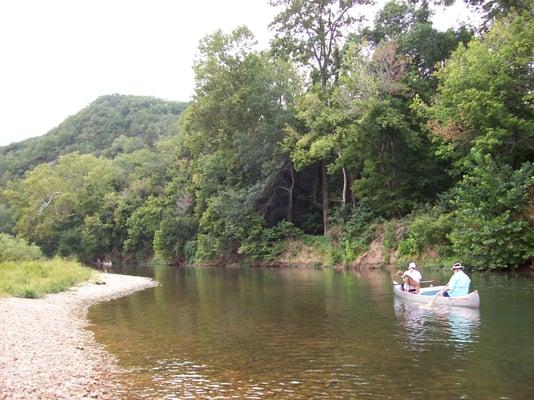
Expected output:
(484, 100)
(52, 201)
(312, 33)
(232, 133)
(484, 122)
(424, 48)
(380, 135)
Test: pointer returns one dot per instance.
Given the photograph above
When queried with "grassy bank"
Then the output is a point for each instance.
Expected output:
(34, 279)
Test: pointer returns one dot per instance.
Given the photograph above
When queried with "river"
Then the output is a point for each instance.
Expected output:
(303, 333)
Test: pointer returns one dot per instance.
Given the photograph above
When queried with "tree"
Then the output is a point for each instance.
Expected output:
(491, 226)
(409, 28)
(312, 33)
(492, 10)
(232, 133)
(483, 122)
(53, 200)
(380, 135)
(484, 97)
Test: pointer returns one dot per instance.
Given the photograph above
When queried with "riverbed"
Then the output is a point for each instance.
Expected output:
(45, 350)
(303, 333)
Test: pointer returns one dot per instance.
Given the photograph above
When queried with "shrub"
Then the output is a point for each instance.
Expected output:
(15, 249)
(190, 250)
(427, 229)
(324, 248)
(490, 228)
(39, 277)
(268, 243)
(408, 246)
(173, 234)
(358, 231)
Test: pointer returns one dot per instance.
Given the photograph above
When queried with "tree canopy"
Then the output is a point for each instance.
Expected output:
(420, 138)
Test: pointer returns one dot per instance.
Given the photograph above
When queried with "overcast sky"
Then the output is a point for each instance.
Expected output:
(57, 56)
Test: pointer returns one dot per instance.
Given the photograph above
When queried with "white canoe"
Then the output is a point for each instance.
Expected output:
(426, 295)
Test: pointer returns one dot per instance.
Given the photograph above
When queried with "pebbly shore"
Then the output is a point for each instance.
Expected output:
(45, 350)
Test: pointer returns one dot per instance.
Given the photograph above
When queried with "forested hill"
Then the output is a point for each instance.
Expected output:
(110, 125)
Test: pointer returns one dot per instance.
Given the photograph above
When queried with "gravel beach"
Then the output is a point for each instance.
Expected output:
(45, 350)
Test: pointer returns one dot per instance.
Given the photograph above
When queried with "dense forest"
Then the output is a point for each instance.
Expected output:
(335, 137)
(108, 126)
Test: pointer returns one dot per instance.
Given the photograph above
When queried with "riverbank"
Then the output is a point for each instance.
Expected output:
(45, 350)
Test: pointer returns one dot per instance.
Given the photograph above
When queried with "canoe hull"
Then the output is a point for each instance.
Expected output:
(472, 300)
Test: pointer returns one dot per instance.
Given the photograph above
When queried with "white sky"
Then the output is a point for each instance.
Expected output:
(57, 56)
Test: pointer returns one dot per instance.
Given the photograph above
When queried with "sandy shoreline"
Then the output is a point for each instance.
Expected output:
(45, 350)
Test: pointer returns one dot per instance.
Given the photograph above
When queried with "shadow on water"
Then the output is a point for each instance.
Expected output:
(305, 333)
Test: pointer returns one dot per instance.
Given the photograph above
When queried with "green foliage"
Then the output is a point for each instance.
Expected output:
(485, 95)
(142, 225)
(491, 10)
(70, 243)
(36, 278)
(17, 249)
(190, 250)
(269, 243)
(409, 246)
(427, 229)
(232, 132)
(349, 151)
(311, 33)
(390, 235)
(410, 27)
(172, 237)
(6, 218)
(358, 229)
(110, 125)
(228, 226)
(381, 137)
(324, 247)
(52, 200)
(491, 228)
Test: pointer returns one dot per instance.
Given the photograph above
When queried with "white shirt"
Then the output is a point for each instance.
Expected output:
(415, 275)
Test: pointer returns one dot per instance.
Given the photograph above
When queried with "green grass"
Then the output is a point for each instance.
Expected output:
(34, 279)
(323, 247)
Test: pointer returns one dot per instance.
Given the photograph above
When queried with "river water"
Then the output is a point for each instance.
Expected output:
(301, 333)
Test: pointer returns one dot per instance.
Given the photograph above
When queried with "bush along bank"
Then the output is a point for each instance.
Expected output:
(33, 279)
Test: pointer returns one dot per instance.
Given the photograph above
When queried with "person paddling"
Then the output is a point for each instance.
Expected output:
(458, 284)
(411, 278)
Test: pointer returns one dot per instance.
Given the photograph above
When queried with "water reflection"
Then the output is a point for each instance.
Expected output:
(315, 334)
(456, 325)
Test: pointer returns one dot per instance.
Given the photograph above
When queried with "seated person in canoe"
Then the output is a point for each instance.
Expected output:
(411, 279)
(458, 284)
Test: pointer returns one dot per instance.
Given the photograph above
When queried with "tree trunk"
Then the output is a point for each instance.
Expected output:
(351, 193)
(290, 193)
(345, 187)
(324, 181)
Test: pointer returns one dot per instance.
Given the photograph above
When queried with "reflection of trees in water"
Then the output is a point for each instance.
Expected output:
(429, 326)
(376, 282)
(463, 324)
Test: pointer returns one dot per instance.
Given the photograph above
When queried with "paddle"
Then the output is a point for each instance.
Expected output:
(431, 303)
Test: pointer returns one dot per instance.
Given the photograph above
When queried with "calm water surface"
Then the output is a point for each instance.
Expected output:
(316, 334)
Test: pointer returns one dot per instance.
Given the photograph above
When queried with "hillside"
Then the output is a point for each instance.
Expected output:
(110, 125)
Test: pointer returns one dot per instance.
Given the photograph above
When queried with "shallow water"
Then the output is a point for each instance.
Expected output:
(304, 333)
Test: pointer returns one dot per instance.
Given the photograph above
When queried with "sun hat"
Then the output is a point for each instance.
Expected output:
(412, 265)
(457, 266)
